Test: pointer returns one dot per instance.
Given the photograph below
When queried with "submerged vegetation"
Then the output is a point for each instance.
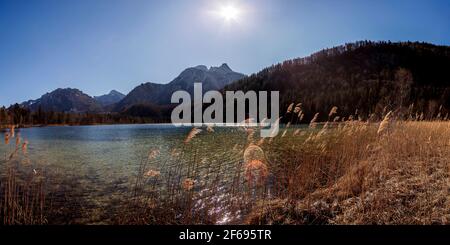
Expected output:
(341, 171)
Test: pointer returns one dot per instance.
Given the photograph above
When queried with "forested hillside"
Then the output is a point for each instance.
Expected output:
(362, 78)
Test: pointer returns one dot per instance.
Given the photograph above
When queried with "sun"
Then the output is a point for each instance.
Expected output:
(229, 13)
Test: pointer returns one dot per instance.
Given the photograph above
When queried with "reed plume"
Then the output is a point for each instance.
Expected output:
(250, 133)
(175, 152)
(7, 137)
(192, 134)
(18, 140)
(263, 122)
(152, 173)
(254, 152)
(25, 147)
(313, 123)
(256, 172)
(301, 115)
(298, 108)
(332, 111)
(384, 125)
(153, 154)
(12, 131)
(210, 128)
(247, 122)
(275, 128)
(261, 142)
(188, 184)
(290, 107)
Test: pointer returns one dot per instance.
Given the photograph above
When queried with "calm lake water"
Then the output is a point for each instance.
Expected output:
(98, 164)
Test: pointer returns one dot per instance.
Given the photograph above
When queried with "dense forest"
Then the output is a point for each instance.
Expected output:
(363, 78)
(23, 117)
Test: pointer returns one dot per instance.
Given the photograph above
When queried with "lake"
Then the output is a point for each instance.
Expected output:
(98, 165)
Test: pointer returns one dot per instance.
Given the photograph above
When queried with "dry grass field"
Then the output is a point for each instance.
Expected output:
(396, 172)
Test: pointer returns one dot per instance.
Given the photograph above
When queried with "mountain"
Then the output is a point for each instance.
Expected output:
(214, 78)
(64, 100)
(367, 77)
(149, 99)
(109, 99)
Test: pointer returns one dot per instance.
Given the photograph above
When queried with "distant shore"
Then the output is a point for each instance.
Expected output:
(5, 127)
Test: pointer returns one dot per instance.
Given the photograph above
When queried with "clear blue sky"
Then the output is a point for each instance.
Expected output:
(99, 45)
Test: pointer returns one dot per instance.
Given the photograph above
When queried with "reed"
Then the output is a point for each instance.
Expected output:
(337, 172)
(347, 174)
(346, 170)
(22, 189)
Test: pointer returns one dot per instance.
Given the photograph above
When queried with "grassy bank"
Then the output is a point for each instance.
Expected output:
(396, 172)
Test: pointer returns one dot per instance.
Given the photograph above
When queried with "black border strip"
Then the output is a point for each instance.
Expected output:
(150, 234)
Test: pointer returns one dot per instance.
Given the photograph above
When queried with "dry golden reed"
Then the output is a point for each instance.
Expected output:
(12, 131)
(254, 152)
(290, 107)
(7, 137)
(153, 154)
(346, 174)
(210, 128)
(256, 172)
(313, 122)
(261, 142)
(300, 116)
(275, 128)
(17, 140)
(250, 134)
(188, 184)
(25, 147)
(152, 173)
(333, 111)
(298, 108)
(384, 125)
(175, 152)
(192, 134)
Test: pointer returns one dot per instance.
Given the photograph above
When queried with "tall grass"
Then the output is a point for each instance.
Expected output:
(350, 171)
(22, 196)
(186, 187)
(361, 172)
(347, 170)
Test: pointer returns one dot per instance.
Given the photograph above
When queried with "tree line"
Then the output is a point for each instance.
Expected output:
(23, 117)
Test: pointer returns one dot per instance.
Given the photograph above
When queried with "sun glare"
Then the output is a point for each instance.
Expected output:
(229, 13)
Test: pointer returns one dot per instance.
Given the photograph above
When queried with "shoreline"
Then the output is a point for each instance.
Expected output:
(4, 127)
